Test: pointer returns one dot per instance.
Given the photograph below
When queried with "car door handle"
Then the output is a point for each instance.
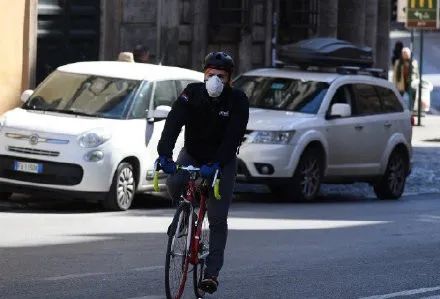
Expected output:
(388, 125)
(359, 127)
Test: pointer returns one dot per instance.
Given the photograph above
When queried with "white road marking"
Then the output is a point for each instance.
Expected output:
(142, 269)
(404, 293)
(81, 275)
(73, 276)
(149, 297)
(432, 297)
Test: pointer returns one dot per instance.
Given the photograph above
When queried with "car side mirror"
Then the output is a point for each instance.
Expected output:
(340, 110)
(26, 95)
(160, 113)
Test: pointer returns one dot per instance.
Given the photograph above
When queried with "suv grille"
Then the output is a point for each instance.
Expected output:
(33, 151)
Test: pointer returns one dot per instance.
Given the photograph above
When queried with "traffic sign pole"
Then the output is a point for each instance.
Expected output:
(419, 102)
(421, 14)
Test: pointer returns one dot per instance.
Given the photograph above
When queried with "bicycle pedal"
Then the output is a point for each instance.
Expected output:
(201, 292)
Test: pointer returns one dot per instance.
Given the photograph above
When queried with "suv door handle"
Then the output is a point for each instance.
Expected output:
(359, 127)
(388, 124)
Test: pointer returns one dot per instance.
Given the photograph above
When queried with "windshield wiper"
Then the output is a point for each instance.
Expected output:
(73, 112)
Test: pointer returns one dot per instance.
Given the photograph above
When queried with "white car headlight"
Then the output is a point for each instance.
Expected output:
(93, 138)
(2, 122)
(271, 137)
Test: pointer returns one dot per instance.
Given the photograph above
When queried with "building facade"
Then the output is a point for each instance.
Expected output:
(181, 32)
(17, 60)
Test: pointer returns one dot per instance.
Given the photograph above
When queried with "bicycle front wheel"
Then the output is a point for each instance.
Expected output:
(178, 251)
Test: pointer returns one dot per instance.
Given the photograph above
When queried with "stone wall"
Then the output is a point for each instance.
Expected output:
(179, 32)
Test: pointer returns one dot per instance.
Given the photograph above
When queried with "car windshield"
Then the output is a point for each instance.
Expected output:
(83, 94)
(283, 93)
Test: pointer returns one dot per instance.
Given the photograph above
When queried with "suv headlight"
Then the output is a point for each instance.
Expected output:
(271, 137)
(2, 122)
(93, 138)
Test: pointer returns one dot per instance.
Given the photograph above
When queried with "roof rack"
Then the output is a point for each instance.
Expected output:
(328, 55)
(355, 70)
(325, 52)
(343, 70)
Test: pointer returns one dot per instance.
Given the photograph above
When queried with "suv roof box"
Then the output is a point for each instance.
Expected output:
(325, 52)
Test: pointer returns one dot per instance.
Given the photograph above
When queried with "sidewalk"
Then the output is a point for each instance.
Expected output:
(428, 134)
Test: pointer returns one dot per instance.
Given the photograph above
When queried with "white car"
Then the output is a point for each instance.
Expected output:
(90, 130)
(306, 128)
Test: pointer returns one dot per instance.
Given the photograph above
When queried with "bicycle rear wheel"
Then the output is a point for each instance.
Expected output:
(203, 253)
(177, 258)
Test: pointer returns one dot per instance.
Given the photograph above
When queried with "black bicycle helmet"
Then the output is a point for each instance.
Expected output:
(220, 61)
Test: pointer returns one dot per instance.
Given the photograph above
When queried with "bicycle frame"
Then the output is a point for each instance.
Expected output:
(196, 230)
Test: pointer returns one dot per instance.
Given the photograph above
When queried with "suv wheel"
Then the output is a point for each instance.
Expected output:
(392, 184)
(122, 190)
(5, 195)
(306, 181)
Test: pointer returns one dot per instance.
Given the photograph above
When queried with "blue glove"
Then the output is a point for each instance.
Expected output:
(208, 170)
(167, 164)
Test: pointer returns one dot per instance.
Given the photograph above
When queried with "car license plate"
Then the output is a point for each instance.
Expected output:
(28, 167)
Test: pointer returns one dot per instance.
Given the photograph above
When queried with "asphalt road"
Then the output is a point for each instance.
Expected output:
(338, 247)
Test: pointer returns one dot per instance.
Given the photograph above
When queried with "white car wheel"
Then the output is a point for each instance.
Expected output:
(123, 188)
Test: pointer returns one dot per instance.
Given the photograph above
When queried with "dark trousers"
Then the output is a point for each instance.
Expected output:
(217, 209)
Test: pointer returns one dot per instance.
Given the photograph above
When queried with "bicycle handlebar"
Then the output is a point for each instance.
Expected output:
(189, 168)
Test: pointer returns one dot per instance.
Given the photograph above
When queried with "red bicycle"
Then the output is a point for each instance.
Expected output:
(188, 234)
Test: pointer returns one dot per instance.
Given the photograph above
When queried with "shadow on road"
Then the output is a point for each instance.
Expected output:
(34, 204)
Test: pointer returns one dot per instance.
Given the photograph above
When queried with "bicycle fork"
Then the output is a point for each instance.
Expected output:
(196, 244)
(189, 233)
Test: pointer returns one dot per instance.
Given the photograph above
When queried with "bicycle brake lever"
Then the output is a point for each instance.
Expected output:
(215, 178)
(156, 187)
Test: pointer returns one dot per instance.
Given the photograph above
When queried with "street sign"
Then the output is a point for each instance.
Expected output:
(401, 10)
(422, 14)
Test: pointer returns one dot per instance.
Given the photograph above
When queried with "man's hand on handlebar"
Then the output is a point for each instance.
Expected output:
(207, 171)
(167, 165)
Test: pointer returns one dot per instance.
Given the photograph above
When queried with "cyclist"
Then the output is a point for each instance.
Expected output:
(215, 116)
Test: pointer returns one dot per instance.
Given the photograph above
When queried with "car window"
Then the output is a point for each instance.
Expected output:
(83, 93)
(367, 100)
(389, 100)
(283, 93)
(181, 85)
(344, 95)
(142, 101)
(165, 93)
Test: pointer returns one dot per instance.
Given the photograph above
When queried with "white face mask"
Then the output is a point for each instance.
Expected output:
(214, 86)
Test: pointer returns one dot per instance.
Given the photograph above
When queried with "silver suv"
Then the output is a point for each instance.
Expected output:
(306, 128)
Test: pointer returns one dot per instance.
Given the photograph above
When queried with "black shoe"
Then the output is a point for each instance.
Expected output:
(209, 284)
